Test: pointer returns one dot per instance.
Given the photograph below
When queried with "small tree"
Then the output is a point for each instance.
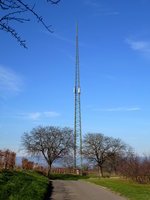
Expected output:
(6, 159)
(117, 151)
(102, 150)
(95, 148)
(51, 142)
(1, 159)
(30, 165)
(24, 163)
(12, 160)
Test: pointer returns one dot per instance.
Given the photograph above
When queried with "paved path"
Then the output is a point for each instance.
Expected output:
(80, 190)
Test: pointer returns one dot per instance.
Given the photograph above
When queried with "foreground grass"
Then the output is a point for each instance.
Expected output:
(130, 190)
(22, 185)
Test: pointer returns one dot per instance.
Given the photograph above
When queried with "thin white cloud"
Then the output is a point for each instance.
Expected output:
(91, 3)
(60, 37)
(67, 54)
(105, 13)
(64, 39)
(34, 116)
(140, 46)
(51, 114)
(10, 82)
(100, 9)
(119, 109)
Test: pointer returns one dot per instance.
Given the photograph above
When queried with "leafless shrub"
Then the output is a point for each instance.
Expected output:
(136, 168)
(1, 159)
(28, 165)
(40, 169)
(7, 159)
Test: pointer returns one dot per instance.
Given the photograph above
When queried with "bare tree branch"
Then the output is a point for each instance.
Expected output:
(12, 31)
(53, 1)
(13, 11)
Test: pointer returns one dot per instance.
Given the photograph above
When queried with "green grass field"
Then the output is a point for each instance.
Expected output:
(130, 190)
(22, 185)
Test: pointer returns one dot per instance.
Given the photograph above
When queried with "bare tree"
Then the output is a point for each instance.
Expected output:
(12, 11)
(117, 151)
(102, 150)
(51, 142)
(95, 148)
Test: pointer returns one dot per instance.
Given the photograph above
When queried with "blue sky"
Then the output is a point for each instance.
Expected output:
(36, 85)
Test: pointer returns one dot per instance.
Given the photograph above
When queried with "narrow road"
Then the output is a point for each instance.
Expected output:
(78, 190)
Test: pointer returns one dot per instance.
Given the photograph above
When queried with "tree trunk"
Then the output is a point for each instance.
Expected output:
(49, 170)
(100, 171)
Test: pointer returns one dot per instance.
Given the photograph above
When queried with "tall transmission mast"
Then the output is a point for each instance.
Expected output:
(77, 116)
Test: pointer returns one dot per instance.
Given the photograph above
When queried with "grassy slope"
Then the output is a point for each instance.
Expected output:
(21, 185)
(132, 191)
(128, 189)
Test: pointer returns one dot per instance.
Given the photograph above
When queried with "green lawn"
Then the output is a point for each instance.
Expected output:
(132, 191)
(22, 185)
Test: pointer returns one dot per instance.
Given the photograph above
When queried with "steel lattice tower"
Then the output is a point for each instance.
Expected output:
(77, 114)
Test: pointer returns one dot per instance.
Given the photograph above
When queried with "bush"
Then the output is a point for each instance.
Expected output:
(7, 159)
(135, 168)
(27, 164)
